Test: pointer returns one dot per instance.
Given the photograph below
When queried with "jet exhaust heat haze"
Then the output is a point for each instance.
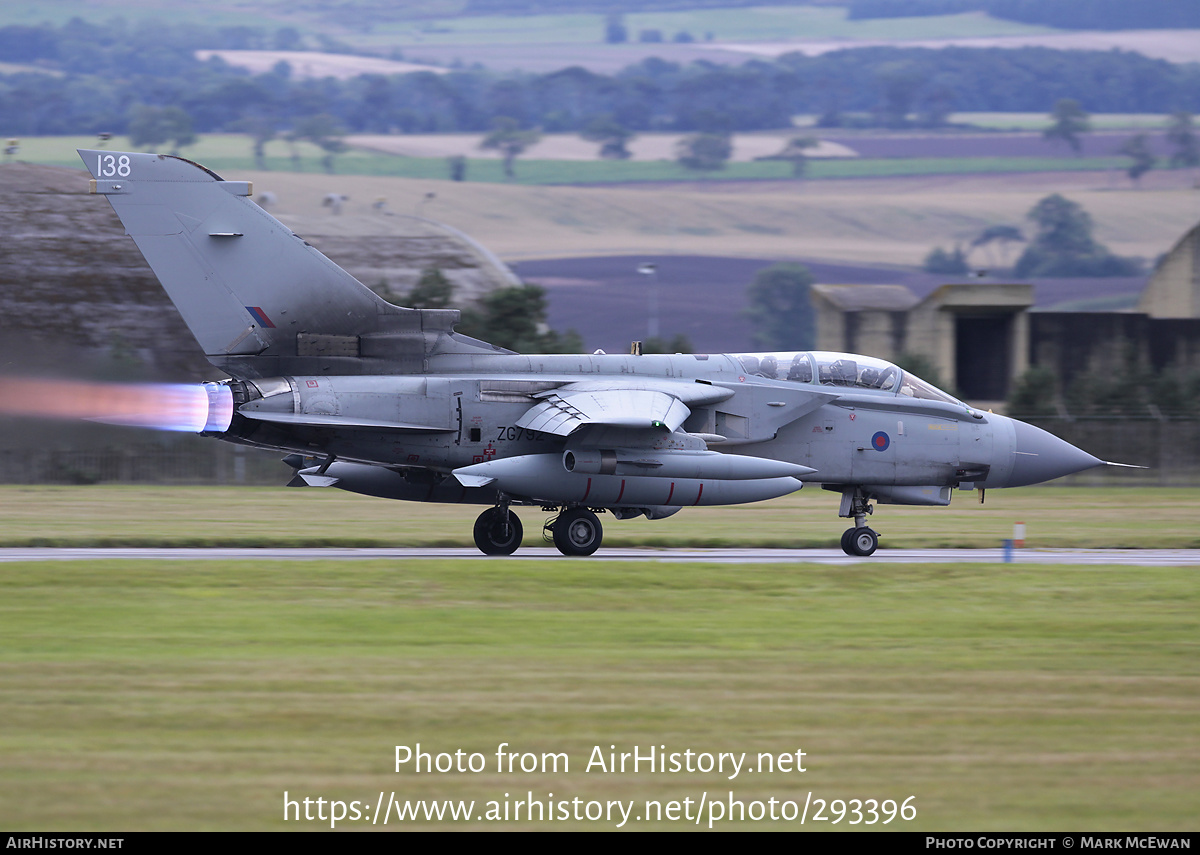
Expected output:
(193, 408)
(388, 401)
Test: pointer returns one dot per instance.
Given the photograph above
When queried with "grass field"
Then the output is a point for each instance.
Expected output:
(264, 516)
(231, 153)
(763, 23)
(189, 696)
(884, 219)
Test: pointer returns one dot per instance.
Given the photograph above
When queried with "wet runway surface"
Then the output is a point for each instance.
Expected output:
(1135, 557)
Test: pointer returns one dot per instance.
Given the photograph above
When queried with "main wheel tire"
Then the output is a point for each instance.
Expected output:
(863, 542)
(846, 547)
(498, 532)
(577, 531)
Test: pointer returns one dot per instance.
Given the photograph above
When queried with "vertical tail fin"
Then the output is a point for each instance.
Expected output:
(245, 284)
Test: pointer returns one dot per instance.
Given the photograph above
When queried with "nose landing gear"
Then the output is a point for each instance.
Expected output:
(859, 540)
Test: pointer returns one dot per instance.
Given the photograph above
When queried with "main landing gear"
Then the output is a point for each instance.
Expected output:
(498, 531)
(575, 531)
(858, 540)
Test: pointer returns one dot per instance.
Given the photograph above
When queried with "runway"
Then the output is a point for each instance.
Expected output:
(1128, 557)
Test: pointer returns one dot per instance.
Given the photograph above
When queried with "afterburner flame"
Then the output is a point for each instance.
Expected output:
(175, 407)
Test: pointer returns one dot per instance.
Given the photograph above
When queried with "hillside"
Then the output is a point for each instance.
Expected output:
(882, 221)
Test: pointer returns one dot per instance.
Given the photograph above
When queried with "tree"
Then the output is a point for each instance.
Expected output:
(780, 308)
(611, 135)
(288, 38)
(1143, 160)
(153, 126)
(1034, 394)
(704, 151)
(1182, 135)
(925, 368)
(1062, 226)
(1003, 235)
(900, 82)
(510, 140)
(946, 263)
(1063, 245)
(678, 343)
(432, 291)
(262, 131)
(1069, 122)
(794, 153)
(614, 29)
(515, 318)
(324, 131)
(935, 105)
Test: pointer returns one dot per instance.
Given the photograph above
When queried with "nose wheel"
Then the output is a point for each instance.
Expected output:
(859, 541)
(498, 531)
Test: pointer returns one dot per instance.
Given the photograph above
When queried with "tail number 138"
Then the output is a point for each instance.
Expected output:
(109, 166)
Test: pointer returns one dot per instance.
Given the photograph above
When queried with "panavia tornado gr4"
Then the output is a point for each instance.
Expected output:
(391, 402)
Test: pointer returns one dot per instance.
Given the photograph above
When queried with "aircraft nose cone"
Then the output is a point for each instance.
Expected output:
(1041, 456)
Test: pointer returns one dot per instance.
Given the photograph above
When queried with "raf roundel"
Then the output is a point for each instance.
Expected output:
(880, 441)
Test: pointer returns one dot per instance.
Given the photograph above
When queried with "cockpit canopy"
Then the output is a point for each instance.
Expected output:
(840, 369)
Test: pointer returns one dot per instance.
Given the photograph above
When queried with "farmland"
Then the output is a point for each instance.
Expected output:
(877, 217)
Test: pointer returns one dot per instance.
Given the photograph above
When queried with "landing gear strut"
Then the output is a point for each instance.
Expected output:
(858, 540)
(498, 531)
(577, 531)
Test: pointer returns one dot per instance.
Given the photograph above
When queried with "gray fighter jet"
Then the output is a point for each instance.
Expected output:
(391, 402)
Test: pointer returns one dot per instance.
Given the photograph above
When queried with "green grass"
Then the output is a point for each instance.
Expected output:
(263, 516)
(743, 24)
(192, 695)
(230, 154)
(763, 23)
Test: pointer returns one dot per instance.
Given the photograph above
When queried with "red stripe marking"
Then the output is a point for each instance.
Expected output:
(588, 491)
(670, 494)
(622, 493)
(699, 494)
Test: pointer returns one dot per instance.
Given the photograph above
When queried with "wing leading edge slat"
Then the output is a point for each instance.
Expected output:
(563, 412)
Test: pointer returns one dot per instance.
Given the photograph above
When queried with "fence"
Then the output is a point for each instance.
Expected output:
(208, 463)
(1170, 448)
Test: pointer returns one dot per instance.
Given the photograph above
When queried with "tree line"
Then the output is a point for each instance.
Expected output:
(97, 76)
